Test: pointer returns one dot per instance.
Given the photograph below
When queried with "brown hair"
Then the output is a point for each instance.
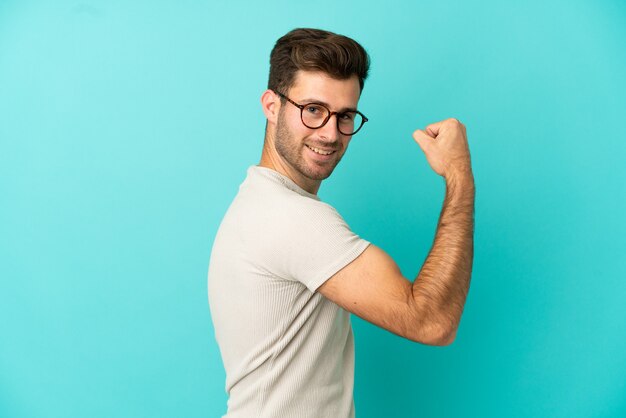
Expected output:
(316, 50)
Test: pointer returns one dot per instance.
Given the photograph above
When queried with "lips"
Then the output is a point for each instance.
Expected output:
(321, 151)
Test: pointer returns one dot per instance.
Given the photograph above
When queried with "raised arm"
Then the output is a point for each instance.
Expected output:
(429, 309)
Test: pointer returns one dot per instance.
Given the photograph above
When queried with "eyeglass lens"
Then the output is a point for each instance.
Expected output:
(315, 115)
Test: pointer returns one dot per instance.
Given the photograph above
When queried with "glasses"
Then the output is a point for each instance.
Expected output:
(315, 115)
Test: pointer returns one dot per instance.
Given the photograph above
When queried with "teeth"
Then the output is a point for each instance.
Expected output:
(319, 151)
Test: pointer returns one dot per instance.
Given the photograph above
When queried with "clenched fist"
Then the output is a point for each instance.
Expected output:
(445, 146)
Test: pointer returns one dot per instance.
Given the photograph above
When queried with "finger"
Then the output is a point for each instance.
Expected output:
(434, 128)
(422, 138)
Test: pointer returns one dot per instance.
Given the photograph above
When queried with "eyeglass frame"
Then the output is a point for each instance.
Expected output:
(330, 114)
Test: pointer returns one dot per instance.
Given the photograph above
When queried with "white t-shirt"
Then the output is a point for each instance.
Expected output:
(287, 350)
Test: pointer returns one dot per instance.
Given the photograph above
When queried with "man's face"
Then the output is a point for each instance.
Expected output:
(307, 150)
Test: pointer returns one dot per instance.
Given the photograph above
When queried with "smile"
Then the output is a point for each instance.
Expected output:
(319, 151)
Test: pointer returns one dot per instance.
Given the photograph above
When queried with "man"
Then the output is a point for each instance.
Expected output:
(286, 271)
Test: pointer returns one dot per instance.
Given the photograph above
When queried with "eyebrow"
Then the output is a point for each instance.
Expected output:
(316, 101)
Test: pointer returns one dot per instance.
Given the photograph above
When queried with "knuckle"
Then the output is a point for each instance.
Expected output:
(454, 122)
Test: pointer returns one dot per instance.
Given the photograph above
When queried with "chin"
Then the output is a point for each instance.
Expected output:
(319, 174)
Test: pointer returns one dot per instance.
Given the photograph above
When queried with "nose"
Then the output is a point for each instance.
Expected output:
(330, 130)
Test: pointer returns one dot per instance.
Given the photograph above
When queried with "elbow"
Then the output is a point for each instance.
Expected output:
(436, 336)
(448, 339)
(442, 339)
(430, 327)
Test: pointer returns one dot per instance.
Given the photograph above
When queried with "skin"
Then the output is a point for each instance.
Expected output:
(427, 310)
(285, 148)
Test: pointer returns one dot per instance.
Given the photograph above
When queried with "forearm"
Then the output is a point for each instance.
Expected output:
(441, 287)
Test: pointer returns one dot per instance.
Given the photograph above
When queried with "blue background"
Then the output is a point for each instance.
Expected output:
(126, 128)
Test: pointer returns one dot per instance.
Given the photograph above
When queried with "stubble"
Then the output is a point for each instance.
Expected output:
(291, 150)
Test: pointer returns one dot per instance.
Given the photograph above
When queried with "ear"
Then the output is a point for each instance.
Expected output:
(270, 102)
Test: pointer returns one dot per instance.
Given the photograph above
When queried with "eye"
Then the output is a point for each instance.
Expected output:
(314, 110)
(346, 116)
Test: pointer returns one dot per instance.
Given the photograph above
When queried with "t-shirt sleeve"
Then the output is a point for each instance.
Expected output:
(313, 242)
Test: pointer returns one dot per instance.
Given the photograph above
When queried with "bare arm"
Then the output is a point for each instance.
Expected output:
(429, 309)
(442, 284)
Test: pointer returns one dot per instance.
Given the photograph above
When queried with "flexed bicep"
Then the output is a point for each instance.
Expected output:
(373, 288)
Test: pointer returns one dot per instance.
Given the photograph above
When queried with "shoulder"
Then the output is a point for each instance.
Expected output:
(273, 196)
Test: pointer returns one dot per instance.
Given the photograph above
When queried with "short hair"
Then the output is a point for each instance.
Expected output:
(316, 50)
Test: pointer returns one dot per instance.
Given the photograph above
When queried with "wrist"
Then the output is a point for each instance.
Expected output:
(462, 176)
